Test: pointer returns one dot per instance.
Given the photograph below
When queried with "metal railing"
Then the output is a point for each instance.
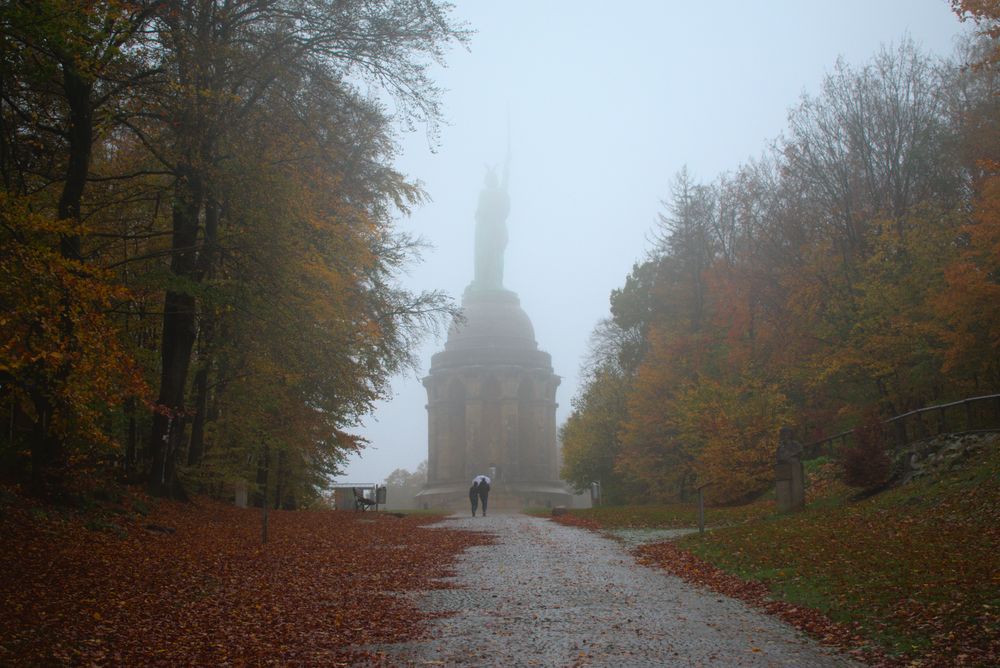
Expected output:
(976, 414)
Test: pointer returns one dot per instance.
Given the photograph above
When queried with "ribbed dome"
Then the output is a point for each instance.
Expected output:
(493, 319)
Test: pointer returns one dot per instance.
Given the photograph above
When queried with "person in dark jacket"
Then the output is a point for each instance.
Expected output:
(474, 497)
(481, 485)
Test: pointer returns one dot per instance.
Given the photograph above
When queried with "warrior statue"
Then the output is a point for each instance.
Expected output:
(491, 230)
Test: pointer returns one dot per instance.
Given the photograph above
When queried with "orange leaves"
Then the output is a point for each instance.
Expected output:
(691, 420)
(209, 593)
(972, 331)
(48, 295)
(986, 15)
(912, 571)
(736, 426)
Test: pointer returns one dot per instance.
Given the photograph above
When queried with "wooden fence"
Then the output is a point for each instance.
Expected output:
(968, 415)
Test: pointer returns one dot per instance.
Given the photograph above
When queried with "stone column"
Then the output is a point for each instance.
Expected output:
(789, 475)
(474, 445)
(547, 414)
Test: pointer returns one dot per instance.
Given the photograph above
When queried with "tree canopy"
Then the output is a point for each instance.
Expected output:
(198, 231)
(851, 268)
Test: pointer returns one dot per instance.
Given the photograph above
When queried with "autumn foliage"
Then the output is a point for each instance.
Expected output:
(913, 571)
(854, 265)
(198, 252)
(150, 583)
(865, 461)
(904, 578)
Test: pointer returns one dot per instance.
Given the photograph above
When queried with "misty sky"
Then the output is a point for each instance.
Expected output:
(606, 104)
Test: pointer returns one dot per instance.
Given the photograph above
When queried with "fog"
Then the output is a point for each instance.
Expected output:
(604, 105)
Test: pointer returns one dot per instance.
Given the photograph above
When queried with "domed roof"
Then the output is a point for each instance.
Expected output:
(492, 319)
(495, 331)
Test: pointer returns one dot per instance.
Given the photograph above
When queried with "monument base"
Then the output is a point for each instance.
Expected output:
(503, 496)
(789, 488)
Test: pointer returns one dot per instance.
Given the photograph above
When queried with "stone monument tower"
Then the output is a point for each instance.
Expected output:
(491, 392)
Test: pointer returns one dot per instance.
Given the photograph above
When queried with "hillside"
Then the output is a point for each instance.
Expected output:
(911, 575)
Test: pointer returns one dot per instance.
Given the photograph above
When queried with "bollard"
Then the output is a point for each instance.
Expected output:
(701, 507)
(701, 510)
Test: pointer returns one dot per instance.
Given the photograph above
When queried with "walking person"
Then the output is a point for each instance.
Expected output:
(481, 485)
(474, 497)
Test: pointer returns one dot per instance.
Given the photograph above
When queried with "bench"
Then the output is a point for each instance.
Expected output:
(360, 502)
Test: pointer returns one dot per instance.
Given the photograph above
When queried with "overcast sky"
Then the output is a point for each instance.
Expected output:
(607, 102)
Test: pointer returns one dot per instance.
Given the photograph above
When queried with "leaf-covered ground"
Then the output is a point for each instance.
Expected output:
(111, 587)
(907, 577)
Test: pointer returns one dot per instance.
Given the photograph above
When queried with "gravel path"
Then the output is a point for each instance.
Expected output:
(552, 595)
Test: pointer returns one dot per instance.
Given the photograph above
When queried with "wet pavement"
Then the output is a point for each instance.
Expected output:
(552, 595)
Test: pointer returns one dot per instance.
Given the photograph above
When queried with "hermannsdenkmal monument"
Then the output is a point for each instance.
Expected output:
(491, 393)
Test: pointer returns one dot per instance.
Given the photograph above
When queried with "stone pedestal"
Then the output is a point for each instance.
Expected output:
(241, 494)
(491, 407)
(789, 490)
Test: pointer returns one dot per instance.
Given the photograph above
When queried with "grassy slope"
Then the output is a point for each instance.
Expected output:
(917, 568)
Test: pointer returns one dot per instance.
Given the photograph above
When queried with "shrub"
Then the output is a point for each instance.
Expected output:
(864, 463)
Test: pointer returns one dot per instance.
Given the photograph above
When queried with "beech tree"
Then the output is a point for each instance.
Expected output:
(971, 330)
(62, 62)
(222, 159)
(591, 439)
(225, 65)
(840, 271)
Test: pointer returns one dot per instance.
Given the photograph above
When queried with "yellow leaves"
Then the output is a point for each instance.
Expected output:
(971, 327)
(59, 337)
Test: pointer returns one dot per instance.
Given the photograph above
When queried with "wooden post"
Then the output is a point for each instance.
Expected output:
(701, 507)
(901, 431)
(263, 528)
(701, 510)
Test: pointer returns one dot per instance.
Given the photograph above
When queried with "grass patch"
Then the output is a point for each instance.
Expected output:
(673, 516)
(917, 567)
(912, 573)
(105, 525)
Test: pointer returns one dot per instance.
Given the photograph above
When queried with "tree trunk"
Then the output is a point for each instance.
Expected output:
(278, 477)
(179, 334)
(41, 453)
(262, 476)
(80, 134)
(196, 448)
(204, 271)
(132, 441)
(47, 448)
